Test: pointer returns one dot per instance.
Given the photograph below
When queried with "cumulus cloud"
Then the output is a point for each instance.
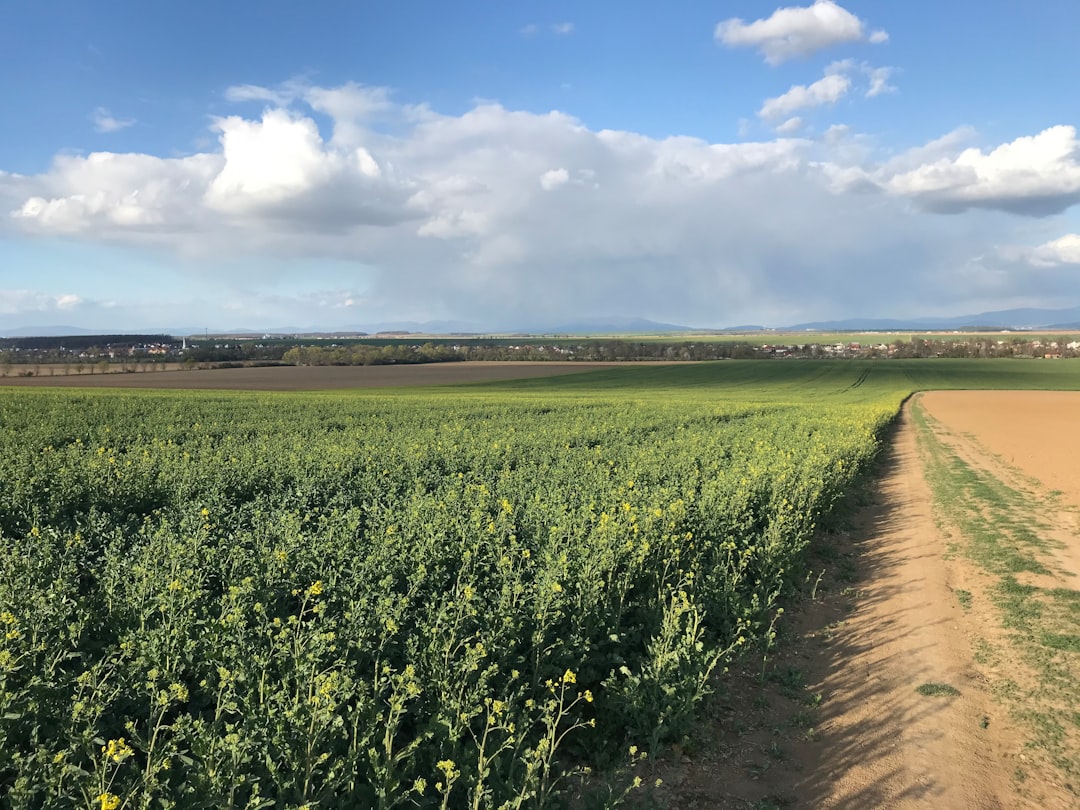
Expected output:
(790, 126)
(104, 121)
(118, 193)
(499, 214)
(797, 31)
(838, 81)
(826, 90)
(879, 81)
(553, 178)
(17, 301)
(1064, 250)
(1035, 175)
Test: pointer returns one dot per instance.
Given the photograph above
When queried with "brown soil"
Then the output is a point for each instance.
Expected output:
(318, 378)
(837, 721)
(1033, 430)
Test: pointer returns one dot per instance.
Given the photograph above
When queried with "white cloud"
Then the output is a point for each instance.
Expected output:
(559, 29)
(834, 85)
(104, 121)
(499, 214)
(797, 31)
(1064, 250)
(1034, 175)
(554, 178)
(252, 92)
(121, 192)
(826, 90)
(879, 81)
(18, 301)
(790, 126)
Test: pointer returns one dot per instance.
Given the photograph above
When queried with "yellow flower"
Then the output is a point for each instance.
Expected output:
(109, 801)
(447, 767)
(569, 677)
(556, 587)
(588, 696)
(316, 588)
(117, 751)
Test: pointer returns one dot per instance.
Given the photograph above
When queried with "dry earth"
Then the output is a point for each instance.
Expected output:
(319, 378)
(837, 721)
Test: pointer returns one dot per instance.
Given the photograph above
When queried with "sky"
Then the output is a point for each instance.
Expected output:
(263, 164)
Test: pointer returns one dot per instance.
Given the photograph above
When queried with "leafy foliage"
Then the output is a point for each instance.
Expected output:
(461, 599)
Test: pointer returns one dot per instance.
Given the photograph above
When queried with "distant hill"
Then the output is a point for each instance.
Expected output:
(606, 326)
(1027, 319)
(1020, 319)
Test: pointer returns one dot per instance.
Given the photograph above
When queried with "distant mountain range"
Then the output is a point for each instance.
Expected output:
(1028, 319)
(1020, 319)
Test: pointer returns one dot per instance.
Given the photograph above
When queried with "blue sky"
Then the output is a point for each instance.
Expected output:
(269, 164)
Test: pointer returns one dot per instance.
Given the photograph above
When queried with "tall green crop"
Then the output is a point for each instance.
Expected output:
(452, 600)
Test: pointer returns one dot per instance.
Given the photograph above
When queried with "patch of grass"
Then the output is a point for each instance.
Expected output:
(1061, 641)
(964, 598)
(937, 690)
(984, 652)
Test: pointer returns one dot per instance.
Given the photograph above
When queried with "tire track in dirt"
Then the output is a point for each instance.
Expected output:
(883, 744)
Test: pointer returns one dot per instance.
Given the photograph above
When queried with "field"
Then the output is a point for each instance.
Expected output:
(459, 597)
(308, 378)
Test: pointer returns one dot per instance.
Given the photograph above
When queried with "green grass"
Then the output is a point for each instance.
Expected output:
(772, 380)
(937, 690)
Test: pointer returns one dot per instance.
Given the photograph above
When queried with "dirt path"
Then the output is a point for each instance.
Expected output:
(885, 744)
(839, 721)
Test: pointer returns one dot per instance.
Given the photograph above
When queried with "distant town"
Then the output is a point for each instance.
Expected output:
(92, 354)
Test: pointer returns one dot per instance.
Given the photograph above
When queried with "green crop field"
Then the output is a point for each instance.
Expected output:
(456, 597)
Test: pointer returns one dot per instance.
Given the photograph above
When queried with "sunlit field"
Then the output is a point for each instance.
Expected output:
(461, 597)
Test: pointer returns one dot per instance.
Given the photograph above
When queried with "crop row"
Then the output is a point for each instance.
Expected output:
(455, 601)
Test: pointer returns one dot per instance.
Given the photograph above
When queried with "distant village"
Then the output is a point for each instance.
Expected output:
(109, 353)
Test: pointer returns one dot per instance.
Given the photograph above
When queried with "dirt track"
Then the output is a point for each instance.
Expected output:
(886, 620)
(888, 745)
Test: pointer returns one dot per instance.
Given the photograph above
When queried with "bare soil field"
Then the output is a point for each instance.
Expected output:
(1036, 431)
(900, 683)
(318, 378)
